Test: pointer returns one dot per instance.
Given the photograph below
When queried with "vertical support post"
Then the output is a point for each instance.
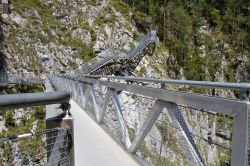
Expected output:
(248, 133)
(65, 83)
(94, 99)
(85, 98)
(244, 95)
(105, 104)
(28, 75)
(74, 90)
(240, 142)
(147, 125)
(81, 93)
(68, 124)
(124, 129)
(68, 84)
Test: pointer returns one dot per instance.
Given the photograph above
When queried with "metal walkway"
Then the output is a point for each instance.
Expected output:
(93, 146)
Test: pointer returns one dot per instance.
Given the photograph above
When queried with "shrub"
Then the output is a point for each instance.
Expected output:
(39, 113)
(9, 120)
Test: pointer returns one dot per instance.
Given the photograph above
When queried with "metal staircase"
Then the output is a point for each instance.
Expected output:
(119, 63)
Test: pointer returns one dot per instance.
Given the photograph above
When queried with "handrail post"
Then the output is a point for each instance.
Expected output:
(68, 124)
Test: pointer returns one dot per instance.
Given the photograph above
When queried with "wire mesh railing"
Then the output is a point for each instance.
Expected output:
(48, 147)
(164, 146)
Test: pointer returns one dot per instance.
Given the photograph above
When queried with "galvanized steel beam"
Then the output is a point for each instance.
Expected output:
(105, 104)
(147, 125)
(124, 129)
(187, 142)
(206, 84)
(94, 99)
(85, 98)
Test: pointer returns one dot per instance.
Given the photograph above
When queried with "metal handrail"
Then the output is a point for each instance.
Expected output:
(150, 37)
(33, 99)
(206, 84)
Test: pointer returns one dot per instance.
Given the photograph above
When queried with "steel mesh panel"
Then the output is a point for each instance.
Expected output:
(36, 150)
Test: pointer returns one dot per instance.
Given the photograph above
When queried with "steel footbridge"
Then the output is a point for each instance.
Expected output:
(94, 118)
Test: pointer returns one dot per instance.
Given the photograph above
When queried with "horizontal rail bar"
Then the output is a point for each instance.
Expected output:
(199, 101)
(30, 134)
(22, 83)
(206, 84)
(32, 99)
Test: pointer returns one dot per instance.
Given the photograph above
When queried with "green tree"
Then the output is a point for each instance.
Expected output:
(195, 67)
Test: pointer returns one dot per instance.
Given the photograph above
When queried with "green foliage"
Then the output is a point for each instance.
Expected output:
(146, 153)
(73, 65)
(86, 52)
(168, 135)
(121, 6)
(6, 152)
(39, 113)
(36, 146)
(195, 67)
(91, 2)
(179, 24)
(9, 120)
(13, 89)
(30, 88)
(224, 156)
(131, 133)
(31, 4)
(224, 123)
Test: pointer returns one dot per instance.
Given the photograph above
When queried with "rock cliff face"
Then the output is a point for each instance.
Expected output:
(60, 36)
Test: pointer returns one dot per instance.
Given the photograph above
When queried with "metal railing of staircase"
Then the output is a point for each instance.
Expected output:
(150, 37)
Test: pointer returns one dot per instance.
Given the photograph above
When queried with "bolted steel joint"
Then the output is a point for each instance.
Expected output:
(65, 106)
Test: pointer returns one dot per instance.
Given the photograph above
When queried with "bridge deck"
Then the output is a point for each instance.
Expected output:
(93, 146)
